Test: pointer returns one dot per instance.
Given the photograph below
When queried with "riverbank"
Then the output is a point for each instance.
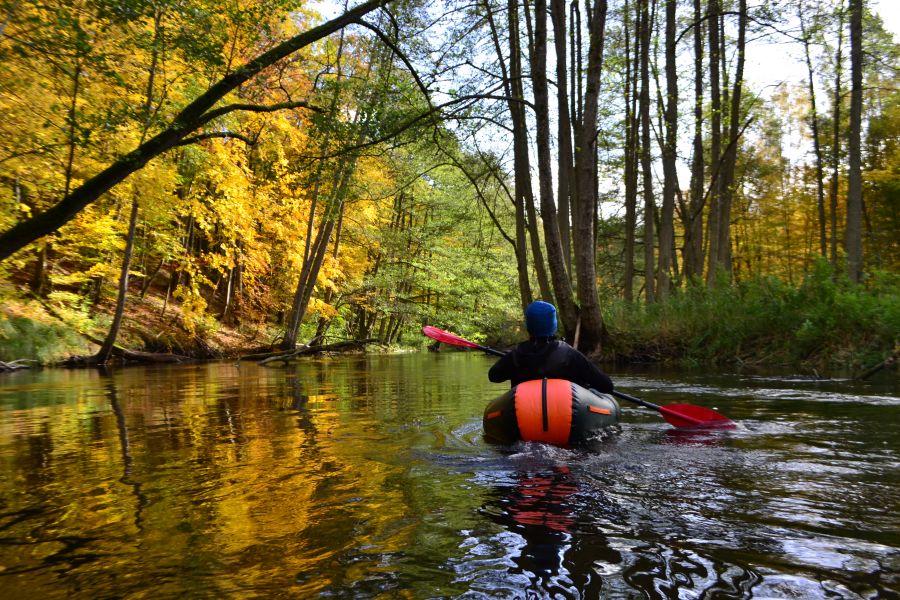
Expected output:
(44, 333)
(824, 326)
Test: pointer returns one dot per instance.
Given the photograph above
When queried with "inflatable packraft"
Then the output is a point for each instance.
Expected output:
(555, 411)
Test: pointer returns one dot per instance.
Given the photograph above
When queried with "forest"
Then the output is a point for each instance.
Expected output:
(204, 178)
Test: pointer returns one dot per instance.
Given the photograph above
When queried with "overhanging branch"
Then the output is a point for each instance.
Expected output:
(257, 108)
(217, 134)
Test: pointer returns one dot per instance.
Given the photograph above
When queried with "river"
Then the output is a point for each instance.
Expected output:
(368, 477)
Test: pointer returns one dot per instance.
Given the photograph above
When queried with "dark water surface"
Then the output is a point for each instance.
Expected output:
(368, 477)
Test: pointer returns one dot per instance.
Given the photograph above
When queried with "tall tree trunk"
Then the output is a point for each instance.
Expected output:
(520, 131)
(565, 300)
(670, 176)
(693, 223)
(576, 71)
(853, 238)
(836, 138)
(817, 145)
(593, 331)
(715, 152)
(566, 172)
(630, 153)
(727, 176)
(647, 174)
(516, 112)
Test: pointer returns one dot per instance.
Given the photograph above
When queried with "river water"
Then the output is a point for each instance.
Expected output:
(368, 477)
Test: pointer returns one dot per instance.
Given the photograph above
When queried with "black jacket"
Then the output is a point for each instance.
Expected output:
(553, 359)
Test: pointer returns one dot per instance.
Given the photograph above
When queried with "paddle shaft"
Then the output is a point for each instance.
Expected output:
(660, 409)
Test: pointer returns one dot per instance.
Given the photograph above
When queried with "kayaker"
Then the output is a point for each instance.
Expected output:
(545, 355)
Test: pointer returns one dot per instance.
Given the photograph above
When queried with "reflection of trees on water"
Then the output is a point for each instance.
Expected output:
(127, 459)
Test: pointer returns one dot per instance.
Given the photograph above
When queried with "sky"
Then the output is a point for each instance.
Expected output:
(769, 63)
(772, 62)
(890, 13)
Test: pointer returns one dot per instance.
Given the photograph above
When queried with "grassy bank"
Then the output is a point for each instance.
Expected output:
(51, 330)
(825, 324)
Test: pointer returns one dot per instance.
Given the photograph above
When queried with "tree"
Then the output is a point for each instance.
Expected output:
(853, 237)
(512, 85)
(593, 331)
(670, 175)
(814, 126)
(552, 236)
(693, 214)
(196, 114)
(646, 169)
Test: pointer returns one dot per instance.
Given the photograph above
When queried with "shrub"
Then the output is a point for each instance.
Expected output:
(826, 322)
(24, 338)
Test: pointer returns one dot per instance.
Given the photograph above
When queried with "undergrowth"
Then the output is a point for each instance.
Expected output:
(825, 323)
(40, 341)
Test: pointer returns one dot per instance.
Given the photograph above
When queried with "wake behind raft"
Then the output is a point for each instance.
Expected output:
(555, 411)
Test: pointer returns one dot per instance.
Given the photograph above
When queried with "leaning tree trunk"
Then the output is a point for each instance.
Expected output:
(105, 352)
(335, 206)
(193, 116)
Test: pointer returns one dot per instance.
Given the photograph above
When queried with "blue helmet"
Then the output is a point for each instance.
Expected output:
(540, 319)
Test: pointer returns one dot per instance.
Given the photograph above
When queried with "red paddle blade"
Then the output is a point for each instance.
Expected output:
(689, 415)
(447, 337)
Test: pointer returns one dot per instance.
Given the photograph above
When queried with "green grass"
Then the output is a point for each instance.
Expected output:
(825, 323)
(24, 338)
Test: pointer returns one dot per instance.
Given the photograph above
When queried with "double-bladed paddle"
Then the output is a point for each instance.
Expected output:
(679, 415)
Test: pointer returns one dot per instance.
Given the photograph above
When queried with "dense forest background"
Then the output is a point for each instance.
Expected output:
(205, 177)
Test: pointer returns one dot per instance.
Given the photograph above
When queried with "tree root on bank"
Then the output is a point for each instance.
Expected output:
(6, 367)
(126, 356)
(306, 350)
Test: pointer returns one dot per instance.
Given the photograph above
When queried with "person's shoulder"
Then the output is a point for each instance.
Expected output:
(523, 346)
(564, 345)
(571, 351)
